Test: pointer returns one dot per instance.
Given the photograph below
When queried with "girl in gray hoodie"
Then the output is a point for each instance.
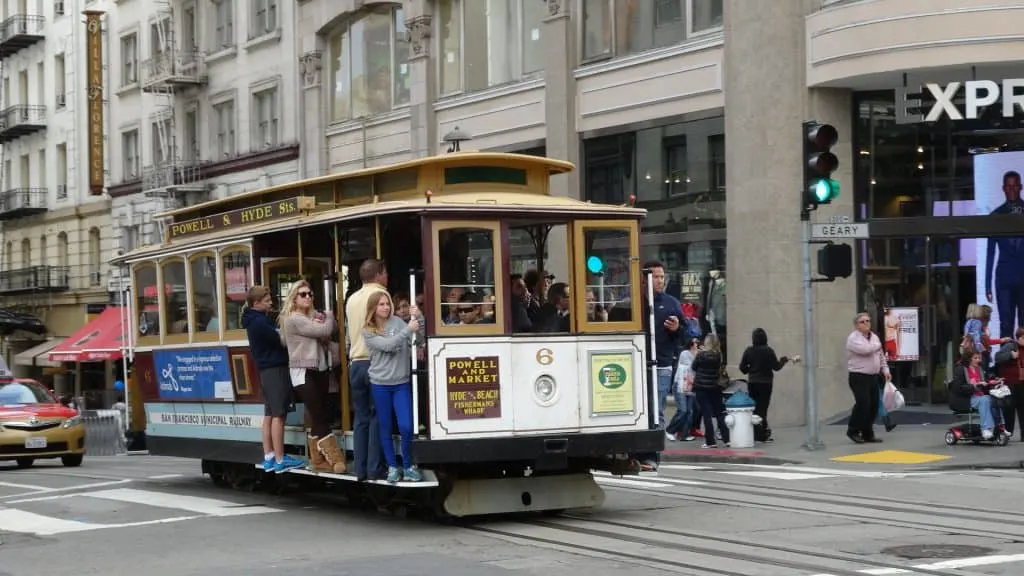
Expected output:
(389, 341)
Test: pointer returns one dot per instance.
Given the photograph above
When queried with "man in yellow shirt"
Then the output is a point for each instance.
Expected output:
(366, 438)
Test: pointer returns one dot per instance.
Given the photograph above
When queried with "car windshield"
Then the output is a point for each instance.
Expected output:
(23, 393)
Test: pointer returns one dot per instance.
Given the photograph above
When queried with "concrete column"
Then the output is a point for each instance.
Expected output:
(563, 142)
(423, 71)
(766, 100)
(312, 98)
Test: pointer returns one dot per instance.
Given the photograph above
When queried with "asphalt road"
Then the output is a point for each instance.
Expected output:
(160, 517)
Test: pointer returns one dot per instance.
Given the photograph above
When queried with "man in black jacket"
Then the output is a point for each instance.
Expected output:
(271, 358)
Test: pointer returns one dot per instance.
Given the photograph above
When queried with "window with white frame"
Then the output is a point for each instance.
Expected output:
(265, 118)
(224, 129)
(264, 17)
(129, 59)
(489, 42)
(369, 69)
(130, 155)
(59, 80)
(159, 37)
(163, 142)
(223, 24)
(613, 28)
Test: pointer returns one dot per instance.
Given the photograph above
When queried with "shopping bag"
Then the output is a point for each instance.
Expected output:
(892, 398)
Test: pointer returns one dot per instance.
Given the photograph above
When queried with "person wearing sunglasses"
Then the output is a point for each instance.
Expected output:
(306, 333)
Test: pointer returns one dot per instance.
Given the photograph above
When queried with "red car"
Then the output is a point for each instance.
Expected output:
(34, 424)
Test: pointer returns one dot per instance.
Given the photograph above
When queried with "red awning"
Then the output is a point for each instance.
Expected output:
(98, 340)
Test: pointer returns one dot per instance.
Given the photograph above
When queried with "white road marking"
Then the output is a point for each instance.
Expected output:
(164, 476)
(683, 467)
(31, 523)
(836, 471)
(207, 506)
(31, 487)
(945, 565)
(780, 475)
(7, 499)
(612, 481)
(654, 477)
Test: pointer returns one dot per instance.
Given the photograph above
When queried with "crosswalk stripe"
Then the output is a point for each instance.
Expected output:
(611, 481)
(13, 520)
(206, 506)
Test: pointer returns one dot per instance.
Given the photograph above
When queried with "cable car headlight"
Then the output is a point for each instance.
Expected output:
(545, 389)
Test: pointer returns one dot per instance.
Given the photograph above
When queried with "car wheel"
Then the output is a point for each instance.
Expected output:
(25, 462)
(72, 460)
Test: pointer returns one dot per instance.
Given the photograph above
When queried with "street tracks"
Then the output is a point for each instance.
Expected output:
(603, 533)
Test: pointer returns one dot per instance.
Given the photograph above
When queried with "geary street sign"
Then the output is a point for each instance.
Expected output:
(830, 230)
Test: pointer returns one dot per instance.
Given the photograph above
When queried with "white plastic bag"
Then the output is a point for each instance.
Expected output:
(892, 398)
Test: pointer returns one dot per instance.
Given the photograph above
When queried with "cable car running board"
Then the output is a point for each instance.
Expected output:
(429, 479)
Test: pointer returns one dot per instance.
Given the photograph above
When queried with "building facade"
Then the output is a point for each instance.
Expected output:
(204, 94)
(54, 232)
(667, 101)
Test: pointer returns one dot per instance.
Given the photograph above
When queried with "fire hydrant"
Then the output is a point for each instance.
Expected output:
(740, 419)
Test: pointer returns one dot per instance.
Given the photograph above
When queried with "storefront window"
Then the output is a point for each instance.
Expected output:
(369, 72)
(488, 42)
(676, 172)
(621, 27)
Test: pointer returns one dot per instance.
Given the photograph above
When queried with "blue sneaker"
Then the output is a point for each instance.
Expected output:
(394, 474)
(288, 463)
(411, 474)
(268, 464)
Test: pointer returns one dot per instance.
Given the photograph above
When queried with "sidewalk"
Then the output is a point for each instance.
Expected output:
(918, 446)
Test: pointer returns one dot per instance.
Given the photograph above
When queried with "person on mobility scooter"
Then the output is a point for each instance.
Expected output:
(969, 391)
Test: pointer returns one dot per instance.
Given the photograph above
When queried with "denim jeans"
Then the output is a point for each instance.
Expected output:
(394, 403)
(988, 412)
(682, 421)
(365, 434)
(664, 389)
(712, 407)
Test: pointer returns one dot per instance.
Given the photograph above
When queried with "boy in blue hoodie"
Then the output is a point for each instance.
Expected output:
(271, 358)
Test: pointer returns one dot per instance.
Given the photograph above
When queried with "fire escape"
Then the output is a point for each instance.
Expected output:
(175, 68)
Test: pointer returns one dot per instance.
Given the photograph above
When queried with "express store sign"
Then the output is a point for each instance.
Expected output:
(959, 100)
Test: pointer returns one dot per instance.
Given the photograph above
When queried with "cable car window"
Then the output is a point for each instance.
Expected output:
(203, 268)
(147, 304)
(237, 264)
(485, 174)
(608, 286)
(467, 276)
(176, 309)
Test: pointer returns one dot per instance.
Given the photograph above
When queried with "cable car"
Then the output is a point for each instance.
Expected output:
(508, 417)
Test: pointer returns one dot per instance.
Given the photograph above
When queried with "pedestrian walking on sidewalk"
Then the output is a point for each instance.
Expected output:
(1010, 366)
(760, 364)
(865, 361)
(709, 380)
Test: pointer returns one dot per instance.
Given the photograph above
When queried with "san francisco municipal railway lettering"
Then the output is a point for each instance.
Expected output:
(474, 388)
(241, 217)
(197, 419)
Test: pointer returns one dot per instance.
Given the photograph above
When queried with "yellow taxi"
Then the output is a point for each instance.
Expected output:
(33, 425)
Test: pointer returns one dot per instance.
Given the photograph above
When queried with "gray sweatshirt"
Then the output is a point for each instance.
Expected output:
(390, 353)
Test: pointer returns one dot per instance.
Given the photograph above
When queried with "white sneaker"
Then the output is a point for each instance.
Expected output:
(670, 437)
(986, 434)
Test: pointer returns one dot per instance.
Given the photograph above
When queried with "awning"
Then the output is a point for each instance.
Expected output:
(97, 341)
(38, 355)
(11, 321)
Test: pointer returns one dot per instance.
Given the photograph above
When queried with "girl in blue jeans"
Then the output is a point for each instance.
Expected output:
(389, 340)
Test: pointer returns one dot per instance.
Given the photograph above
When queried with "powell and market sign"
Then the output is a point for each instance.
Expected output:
(959, 100)
(252, 215)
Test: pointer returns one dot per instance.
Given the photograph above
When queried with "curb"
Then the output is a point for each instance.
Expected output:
(727, 459)
(1001, 465)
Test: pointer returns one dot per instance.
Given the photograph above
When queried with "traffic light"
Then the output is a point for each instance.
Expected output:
(819, 164)
(835, 261)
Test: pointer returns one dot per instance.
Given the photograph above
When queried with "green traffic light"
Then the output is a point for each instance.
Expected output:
(826, 190)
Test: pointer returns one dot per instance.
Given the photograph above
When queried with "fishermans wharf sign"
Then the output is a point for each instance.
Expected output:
(242, 217)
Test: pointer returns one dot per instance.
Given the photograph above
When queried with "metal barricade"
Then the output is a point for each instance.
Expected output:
(104, 432)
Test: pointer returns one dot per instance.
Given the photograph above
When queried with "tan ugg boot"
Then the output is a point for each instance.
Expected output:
(316, 460)
(328, 446)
